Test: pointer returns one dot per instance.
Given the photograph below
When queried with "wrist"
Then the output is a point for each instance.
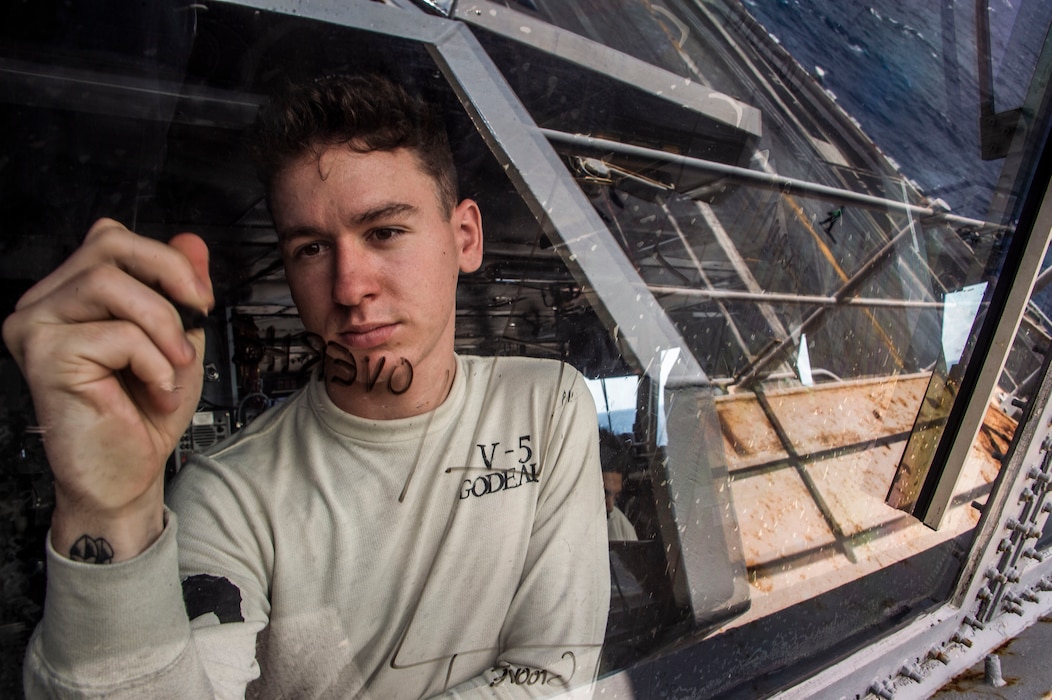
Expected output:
(106, 536)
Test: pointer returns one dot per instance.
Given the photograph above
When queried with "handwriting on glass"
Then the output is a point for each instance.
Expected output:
(525, 675)
(339, 365)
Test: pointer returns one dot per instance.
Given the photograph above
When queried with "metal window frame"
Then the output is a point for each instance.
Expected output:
(1002, 588)
(1029, 157)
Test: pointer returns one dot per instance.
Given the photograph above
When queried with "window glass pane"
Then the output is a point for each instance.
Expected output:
(835, 292)
(768, 235)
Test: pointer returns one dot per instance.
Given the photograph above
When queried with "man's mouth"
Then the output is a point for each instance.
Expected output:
(365, 336)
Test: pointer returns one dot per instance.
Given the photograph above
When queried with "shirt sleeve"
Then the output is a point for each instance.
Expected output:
(116, 630)
(225, 559)
(553, 634)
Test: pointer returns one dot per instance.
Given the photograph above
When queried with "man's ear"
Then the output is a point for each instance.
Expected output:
(467, 223)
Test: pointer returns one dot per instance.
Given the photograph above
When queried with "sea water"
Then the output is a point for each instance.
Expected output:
(908, 72)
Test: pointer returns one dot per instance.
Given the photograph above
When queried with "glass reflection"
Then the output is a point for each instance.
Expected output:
(830, 293)
(836, 304)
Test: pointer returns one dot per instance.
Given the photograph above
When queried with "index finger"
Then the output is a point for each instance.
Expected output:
(156, 264)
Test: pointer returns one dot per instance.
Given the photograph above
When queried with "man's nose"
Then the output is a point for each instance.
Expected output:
(356, 277)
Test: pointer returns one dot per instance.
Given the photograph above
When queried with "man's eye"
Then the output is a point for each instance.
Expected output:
(384, 234)
(309, 250)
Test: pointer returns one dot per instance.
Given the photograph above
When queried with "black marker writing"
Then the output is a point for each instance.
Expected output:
(192, 319)
(316, 344)
(408, 374)
(525, 675)
(333, 366)
(339, 365)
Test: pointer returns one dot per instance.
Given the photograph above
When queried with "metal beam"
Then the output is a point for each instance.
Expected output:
(938, 212)
(753, 370)
(564, 213)
(603, 60)
(781, 298)
(992, 363)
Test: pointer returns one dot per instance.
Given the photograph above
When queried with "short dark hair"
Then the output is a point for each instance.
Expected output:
(366, 113)
(614, 455)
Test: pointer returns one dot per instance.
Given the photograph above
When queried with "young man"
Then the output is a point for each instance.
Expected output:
(412, 523)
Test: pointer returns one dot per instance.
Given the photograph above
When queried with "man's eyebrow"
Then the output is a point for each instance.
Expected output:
(296, 231)
(382, 212)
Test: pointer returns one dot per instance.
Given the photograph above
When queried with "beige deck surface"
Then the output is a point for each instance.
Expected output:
(815, 518)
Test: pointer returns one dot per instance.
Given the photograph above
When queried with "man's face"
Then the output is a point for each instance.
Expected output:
(372, 259)
(612, 484)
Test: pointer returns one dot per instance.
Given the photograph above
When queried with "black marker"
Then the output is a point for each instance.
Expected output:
(192, 318)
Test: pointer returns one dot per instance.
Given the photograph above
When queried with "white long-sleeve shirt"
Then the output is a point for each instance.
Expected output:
(462, 551)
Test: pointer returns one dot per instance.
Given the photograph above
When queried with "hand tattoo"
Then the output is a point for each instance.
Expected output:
(92, 550)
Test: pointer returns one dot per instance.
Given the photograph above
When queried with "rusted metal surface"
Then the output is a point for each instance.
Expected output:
(810, 476)
(817, 419)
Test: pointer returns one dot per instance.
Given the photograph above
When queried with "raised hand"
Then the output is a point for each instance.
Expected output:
(115, 379)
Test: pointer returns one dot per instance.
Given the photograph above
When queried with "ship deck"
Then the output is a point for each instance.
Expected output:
(810, 471)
